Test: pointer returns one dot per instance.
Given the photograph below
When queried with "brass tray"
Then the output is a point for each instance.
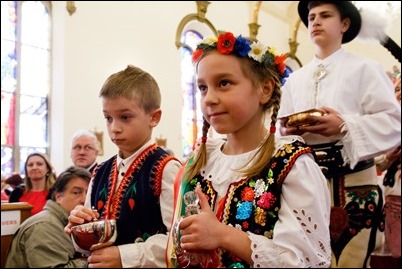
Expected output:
(302, 118)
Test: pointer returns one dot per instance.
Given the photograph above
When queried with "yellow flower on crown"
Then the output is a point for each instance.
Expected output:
(210, 40)
(257, 51)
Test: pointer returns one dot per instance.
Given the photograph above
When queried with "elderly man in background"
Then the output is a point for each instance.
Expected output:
(84, 150)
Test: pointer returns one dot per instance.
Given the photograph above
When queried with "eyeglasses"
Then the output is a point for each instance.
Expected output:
(86, 148)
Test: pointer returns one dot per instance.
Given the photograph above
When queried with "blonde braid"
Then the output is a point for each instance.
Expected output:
(200, 159)
(275, 102)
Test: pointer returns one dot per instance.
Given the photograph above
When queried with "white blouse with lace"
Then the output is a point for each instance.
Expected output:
(301, 235)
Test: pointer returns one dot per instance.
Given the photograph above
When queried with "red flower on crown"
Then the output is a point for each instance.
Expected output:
(226, 43)
(196, 54)
(280, 63)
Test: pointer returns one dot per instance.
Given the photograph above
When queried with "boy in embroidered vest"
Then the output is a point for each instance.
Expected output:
(263, 201)
(135, 187)
(361, 120)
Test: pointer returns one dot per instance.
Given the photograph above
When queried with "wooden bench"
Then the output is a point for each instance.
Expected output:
(12, 215)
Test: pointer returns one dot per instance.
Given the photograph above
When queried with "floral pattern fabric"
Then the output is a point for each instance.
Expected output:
(253, 205)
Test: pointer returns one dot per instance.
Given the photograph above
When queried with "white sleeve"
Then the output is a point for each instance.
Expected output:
(301, 235)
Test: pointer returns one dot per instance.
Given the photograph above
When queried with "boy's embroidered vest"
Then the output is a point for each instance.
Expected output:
(135, 205)
(252, 204)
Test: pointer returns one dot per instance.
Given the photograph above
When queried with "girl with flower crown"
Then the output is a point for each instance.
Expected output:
(250, 200)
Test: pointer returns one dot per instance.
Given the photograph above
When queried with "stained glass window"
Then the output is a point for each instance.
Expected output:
(25, 81)
(191, 113)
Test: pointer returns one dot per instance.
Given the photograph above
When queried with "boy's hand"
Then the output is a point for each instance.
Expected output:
(394, 154)
(108, 257)
(327, 125)
(80, 215)
(288, 130)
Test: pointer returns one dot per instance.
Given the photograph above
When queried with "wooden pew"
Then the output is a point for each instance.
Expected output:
(12, 215)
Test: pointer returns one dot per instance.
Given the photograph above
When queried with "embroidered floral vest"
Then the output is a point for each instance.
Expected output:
(135, 205)
(252, 204)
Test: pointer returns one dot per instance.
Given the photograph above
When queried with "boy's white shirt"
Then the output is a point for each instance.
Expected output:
(363, 95)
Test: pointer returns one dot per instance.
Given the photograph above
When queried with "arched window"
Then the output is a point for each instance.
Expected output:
(191, 113)
(190, 31)
(25, 81)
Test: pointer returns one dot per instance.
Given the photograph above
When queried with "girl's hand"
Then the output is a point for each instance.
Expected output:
(201, 231)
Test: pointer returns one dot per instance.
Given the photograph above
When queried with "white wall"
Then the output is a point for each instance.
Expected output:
(101, 38)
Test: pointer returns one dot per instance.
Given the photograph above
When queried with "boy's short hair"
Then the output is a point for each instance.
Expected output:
(133, 83)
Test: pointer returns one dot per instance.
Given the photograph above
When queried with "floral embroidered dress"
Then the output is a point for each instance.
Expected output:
(285, 210)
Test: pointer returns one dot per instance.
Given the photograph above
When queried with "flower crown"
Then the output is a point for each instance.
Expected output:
(227, 43)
